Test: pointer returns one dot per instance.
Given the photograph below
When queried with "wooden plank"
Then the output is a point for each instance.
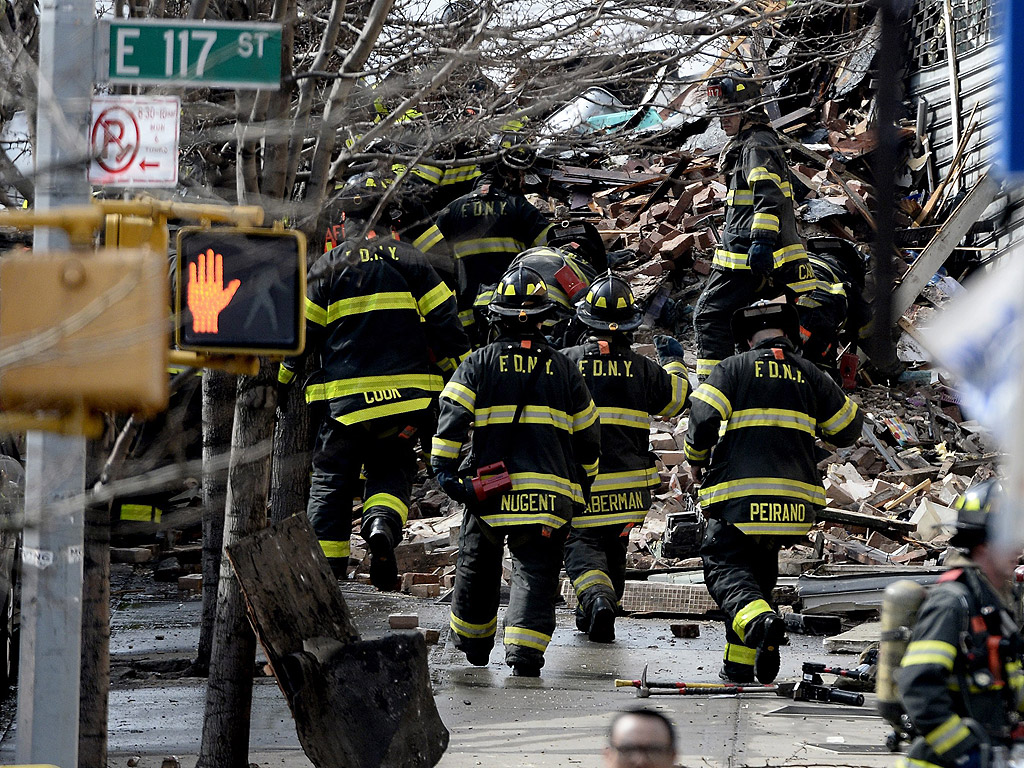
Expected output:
(302, 577)
(943, 244)
(845, 517)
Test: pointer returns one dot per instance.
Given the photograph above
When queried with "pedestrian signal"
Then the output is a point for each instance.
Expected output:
(241, 290)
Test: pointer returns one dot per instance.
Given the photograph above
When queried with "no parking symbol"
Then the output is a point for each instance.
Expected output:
(134, 141)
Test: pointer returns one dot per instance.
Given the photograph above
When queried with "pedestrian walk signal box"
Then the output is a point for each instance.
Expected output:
(240, 291)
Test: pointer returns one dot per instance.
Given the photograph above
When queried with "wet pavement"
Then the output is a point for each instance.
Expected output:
(495, 720)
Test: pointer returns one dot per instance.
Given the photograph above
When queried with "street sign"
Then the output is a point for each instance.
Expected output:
(1012, 132)
(134, 141)
(241, 290)
(214, 54)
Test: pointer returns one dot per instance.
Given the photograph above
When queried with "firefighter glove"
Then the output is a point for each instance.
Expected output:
(458, 488)
(760, 257)
(668, 348)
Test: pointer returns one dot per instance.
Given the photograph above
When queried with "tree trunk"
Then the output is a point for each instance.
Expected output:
(289, 480)
(225, 742)
(95, 685)
(218, 409)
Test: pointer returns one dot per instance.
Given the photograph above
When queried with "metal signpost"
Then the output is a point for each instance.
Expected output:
(197, 53)
(51, 597)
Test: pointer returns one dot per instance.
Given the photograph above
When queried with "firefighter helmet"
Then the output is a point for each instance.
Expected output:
(732, 93)
(521, 293)
(766, 314)
(609, 306)
(514, 152)
(974, 513)
(580, 237)
(361, 193)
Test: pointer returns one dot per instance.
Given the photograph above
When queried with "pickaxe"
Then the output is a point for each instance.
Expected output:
(645, 687)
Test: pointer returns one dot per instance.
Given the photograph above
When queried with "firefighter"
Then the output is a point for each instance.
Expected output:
(533, 418)
(567, 278)
(627, 389)
(376, 316)
(835, 311)
(960, 680)
(761, 483)
(483, 232)
(761, 255)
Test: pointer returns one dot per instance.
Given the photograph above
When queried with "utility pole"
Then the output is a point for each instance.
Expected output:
(51, 601)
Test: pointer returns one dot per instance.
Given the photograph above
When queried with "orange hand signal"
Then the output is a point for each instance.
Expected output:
(207, 295)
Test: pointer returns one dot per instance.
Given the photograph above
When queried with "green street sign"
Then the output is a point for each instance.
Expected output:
(214, 54)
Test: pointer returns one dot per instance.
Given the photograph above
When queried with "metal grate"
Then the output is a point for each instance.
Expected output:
(972, 28)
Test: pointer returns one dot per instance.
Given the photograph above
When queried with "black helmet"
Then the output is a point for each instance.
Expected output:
(521, 293)
(732, 93)
(974, 510)
(580, 237)
(514, 152)
(359, 196)
(765, 314)
(609, 306)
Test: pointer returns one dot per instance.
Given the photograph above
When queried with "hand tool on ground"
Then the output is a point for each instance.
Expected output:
(863, 672)
(647, 687)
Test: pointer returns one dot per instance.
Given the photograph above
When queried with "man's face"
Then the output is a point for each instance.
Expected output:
(639, 742)
(731, 123)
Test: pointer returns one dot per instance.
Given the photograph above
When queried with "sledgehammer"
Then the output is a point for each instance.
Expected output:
(645, 687)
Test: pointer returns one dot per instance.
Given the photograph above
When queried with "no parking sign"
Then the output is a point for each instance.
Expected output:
(134, 141)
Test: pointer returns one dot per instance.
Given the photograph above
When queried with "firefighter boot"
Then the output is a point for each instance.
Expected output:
(767, 636)
(602, 620)
(381, 541)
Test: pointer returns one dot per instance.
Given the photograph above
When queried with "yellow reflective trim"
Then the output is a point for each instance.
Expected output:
(775, 529)
(679, 387)
(948, 735)
(692, 454)
(141, 513)
(912, 762)
(624, 417)
(335, 549)
(467, 318)
(528, 638)
(540, 481)
(532, 414)
(591, 579)
(329, 390)
(515, 518)
(767, 222)
(929, 652)
(460, 394)
(629, 478)
(760, 173)
(585, 418)
(430, 173)
(675, 367)
(740, 654)
(285, 375)
(388, 501)
(315, 313)
(379, 411)
(739, 197)
(763, 486)
(715, 398)
(431, 237)
(705, 366)
(445, 449)
(543, 238)
(842, 418)
(601, 519)
(479, 245)
(460, 174)
(729, 260)
(771, 417)
(434, 298)
(360, 305)
(788, 254)
(591, 469)
(747, 614)
(468, 629)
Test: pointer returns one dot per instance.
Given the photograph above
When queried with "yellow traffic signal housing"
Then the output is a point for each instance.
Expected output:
(126, 231)
(241, 290)
(84, 328)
